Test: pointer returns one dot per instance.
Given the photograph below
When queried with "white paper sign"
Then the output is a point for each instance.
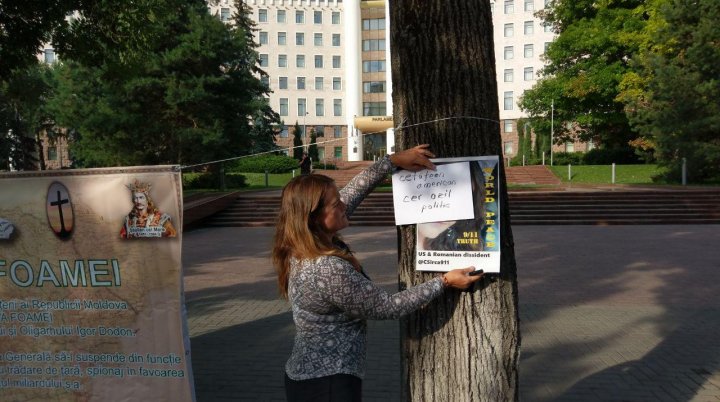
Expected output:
(444, 194)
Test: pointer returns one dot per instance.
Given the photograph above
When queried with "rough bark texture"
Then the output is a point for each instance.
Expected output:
(464, 346)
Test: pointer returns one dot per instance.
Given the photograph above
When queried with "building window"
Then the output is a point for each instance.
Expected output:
(52, 153)
(224, 14)
(300, 38)
(282, 60)
(336, 39)
(337, 131)
(281, 16)
(337, 83)
(265, 80)
(302, 107)
(529, 5)
(283, 106)
(263, 38)
(319, 107)
(318, 61)
(338, 152)
(373, 66)
(509, 7)
(264, 60)
(262, 15)
(508, 100)
(317, 39)
(547, 45)
(374, 109)
(529, 74)
(528, 28)
(508, 147)
(590, 145)
(319, 83)
(49, 56)
(336, 61)
(508, 74)
(373, 87)
(300, 82)
(569, 147)
(284, 132)
(508, 30)
(300, 61)
(317, 17)
(320, 132)
(283, 83)
(373, 44)
(299, 17)
(337, 107)
(528, 51)
(282, 38)
(336, 17)
(509, 53)
(508, 126)
(373, 24)
(547, 27)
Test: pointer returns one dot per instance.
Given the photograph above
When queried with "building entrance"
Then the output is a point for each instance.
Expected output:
(374, 146)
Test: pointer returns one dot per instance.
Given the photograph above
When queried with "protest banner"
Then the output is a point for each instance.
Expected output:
(91, 305)
(466, 231)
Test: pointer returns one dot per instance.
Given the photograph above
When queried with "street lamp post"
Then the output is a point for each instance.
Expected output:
(552, 129)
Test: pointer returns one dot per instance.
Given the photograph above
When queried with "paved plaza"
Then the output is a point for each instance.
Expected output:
(608, 313)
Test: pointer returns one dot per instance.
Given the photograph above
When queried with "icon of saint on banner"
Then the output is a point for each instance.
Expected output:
(145, 219)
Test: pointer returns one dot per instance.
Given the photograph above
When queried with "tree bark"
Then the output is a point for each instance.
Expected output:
(465, 345)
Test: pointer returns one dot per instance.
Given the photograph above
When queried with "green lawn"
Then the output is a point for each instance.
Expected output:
(602, 174)
(256, 181)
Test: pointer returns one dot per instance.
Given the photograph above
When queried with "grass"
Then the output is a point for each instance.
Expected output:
(602, 174)
(256, 181)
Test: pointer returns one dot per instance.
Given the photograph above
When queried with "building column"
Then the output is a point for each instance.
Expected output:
(353, 78)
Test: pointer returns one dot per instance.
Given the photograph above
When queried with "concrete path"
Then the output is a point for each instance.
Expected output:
(608, 313)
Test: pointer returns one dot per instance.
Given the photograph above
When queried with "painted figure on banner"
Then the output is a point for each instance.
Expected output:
(145, 219)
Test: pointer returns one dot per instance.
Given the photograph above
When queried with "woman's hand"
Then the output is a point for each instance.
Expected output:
(414, 159)
(461, 278)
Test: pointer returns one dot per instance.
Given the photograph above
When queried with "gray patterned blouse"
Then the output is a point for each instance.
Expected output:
(331, 301)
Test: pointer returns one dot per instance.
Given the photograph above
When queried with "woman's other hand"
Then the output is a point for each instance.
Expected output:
(461, 278)
(414, 159)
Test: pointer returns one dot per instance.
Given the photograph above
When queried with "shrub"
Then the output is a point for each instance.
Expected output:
(194, 181)
(620, 156)
(567, 158)
(262, 163)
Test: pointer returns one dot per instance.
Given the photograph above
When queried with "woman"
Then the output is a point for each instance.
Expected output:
(331, 296)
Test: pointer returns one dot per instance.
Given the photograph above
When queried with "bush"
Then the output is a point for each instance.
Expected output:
(324, 166)
(567, 158)
(620, 156)
(194, 181)
(262, 163)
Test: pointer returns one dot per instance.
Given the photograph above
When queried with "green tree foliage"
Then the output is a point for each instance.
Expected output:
(142, 85)
(297, 142)
(678, 110)
(313, 148)
(23, 117)
(586, 63)
(25, 26)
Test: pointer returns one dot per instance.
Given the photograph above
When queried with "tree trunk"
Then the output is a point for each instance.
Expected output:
(465, 345)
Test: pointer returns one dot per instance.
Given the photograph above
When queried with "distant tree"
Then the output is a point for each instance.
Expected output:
(23, 117)
(677, 110)
(297, 142)
(313, 148)
(141, 85)
(586, 63)
(25, 26)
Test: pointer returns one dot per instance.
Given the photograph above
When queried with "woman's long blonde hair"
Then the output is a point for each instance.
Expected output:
(298, 233)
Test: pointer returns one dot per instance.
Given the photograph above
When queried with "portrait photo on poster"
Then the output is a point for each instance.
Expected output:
(145, 220)
(445, 245)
